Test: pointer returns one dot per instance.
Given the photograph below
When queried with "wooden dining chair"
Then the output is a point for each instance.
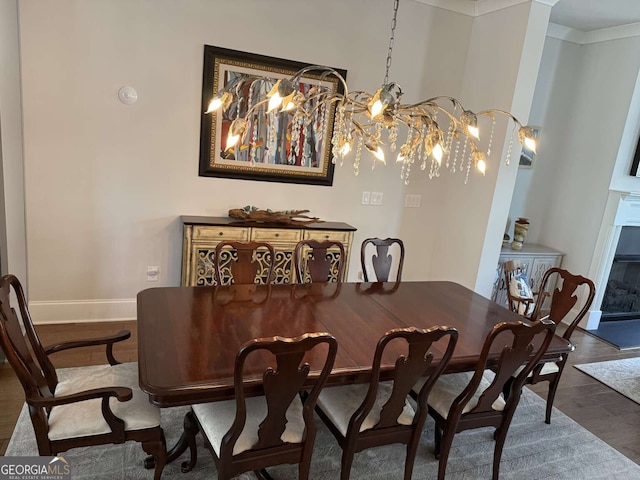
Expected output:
(315, 263)
(463, 401)
(520, 298)
(369, 415)
(380, 259)
(93, 405)
(566, 307)
(246, 262)
(253, 433)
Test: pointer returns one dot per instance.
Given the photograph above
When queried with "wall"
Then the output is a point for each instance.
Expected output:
(589, 89)
(107, 182)
(13, 247)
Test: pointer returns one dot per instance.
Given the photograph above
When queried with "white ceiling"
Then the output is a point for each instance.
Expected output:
(587, 15)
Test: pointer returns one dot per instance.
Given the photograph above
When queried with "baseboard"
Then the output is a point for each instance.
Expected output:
(82, 311)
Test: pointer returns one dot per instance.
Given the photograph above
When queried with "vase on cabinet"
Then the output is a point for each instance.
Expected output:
(519, 233)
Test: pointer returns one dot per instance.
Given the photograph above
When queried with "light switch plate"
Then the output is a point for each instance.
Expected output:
(366, 197)
(412, 201)
(376, 198)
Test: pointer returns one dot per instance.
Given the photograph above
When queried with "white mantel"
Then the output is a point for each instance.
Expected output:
(622, 209)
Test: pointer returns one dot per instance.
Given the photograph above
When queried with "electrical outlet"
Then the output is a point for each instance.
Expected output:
(366, 196)
(153, 274)
(412, 201)
(376, 198)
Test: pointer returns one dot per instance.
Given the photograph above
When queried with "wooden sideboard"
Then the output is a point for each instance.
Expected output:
(202, 234)
(537, 259)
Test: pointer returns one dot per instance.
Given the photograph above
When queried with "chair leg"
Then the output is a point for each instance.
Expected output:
(412, 449)
(190, 426)
(303, 469)
(500, 435)
(437, 440)
(445, 447)
(553, 386)
(348, 453)
(158, 450)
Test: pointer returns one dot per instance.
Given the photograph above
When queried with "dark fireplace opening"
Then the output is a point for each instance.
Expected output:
(622, 294)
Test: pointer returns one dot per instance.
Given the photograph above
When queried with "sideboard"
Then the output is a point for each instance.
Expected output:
(536, 259)
(202, 234)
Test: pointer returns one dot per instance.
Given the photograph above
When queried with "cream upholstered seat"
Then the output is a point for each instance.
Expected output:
(339, 403)
(462, 401)
(85, 418)
(83, 406)
(216, 419)
(448, 387)
(378, 413)
(253, 433)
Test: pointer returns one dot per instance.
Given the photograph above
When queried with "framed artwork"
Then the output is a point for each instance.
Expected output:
(279, 146)
(527, 156)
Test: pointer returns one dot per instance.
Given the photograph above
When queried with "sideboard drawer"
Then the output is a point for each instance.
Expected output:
(322, 235)
(275, 235)
(220, 233)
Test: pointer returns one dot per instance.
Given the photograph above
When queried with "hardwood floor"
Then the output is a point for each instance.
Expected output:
(607, 414)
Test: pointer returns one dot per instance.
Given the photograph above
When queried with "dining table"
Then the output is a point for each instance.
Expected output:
(188, 337)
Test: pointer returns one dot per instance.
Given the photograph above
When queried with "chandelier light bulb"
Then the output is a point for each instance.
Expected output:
(437, 153)
(214, 105)
(274, 102)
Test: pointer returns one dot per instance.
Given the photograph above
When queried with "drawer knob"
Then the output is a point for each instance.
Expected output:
(326, 236)
(221, 233)
(277, 235)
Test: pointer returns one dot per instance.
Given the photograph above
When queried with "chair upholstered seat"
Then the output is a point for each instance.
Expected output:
(85, 418)
(340, 403)
(449, 386)
(547, 368)
(216, 419)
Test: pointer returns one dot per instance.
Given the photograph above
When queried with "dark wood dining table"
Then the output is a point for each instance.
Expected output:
(188, 337)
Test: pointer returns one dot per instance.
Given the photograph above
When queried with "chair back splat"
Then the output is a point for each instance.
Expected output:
(462, 401)
(255, 432)
(363, 416)
(382, 260)
(244, 263)
(55, 406)
(319, 261)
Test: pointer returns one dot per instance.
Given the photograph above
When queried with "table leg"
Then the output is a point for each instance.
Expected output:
(175, 452)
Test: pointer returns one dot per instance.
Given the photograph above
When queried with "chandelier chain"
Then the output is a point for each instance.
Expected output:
(396, 3)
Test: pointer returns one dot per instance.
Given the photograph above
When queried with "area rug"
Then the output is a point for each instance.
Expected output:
(622, 375)
(533, 450)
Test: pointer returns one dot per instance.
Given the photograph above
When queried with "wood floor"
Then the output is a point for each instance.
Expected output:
(607, 414)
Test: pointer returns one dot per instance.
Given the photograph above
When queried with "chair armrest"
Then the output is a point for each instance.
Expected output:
(108, 341)
(116, 424)
(122, 394)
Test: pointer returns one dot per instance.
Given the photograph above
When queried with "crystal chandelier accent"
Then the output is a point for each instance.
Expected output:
(440, 132)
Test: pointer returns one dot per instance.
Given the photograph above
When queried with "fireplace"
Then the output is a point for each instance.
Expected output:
(621, 300)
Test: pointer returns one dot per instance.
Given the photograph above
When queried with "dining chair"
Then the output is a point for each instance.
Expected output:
(381, 260)
(315, 263)
(520, 298)
(363, 416)
(246, 262)
(93, 405)
(462, 401)
(257, 432)
(566, 307)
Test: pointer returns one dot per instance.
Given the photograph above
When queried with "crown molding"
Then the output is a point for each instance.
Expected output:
(595, 36)
(475, 8)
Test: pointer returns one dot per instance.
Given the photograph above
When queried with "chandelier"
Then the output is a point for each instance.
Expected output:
(438, 132)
